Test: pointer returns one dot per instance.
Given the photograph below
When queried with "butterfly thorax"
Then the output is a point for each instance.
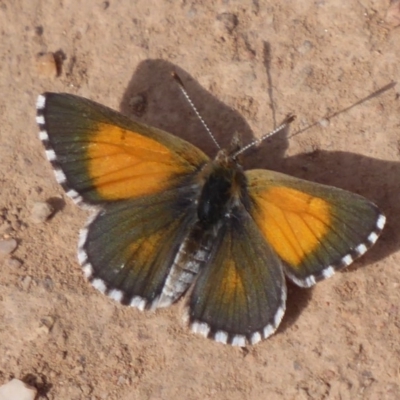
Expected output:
(224, 187)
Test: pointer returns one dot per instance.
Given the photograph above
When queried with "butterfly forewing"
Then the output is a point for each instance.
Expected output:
(315, 229)
(99, 155)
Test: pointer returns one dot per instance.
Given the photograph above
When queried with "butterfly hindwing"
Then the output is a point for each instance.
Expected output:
(130, 247)
(239, 296)
(315, 229)
(100, 155)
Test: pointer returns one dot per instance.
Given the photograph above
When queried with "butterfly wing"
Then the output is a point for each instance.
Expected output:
(131, 248)
(239, 296)
(145, 183)
(100, 155)
(315, 229)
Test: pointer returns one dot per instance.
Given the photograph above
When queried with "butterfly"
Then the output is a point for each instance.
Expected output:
(170, 221)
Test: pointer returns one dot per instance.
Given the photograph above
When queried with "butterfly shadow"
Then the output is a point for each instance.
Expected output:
(153, 97)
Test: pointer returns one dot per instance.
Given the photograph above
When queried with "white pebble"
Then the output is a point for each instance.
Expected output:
(16, 389)
(41, 211)
(324, 122)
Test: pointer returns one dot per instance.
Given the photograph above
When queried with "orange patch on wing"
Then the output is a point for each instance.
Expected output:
(145, 249)
(232, 283)
(293, 222)
(125, 164)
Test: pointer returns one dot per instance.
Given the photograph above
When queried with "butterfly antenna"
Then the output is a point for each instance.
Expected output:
(288, 120)
(183, 90)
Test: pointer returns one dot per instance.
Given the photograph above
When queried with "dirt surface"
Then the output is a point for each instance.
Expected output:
(246, 65)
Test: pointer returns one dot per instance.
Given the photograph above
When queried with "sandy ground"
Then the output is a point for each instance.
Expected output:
(246, 65)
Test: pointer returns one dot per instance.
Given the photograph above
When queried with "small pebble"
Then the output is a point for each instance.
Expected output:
(46, 65)
(138, 104)
(26, 283)
(42, 330)
(48, 322)
(297, 366)
(41, 212)
(121, 380)
(17, 390)
(86, 389)
(305, 47)
(229, 21)
(324, 122)
(14, 263)
(7, 247)
(48, 283)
